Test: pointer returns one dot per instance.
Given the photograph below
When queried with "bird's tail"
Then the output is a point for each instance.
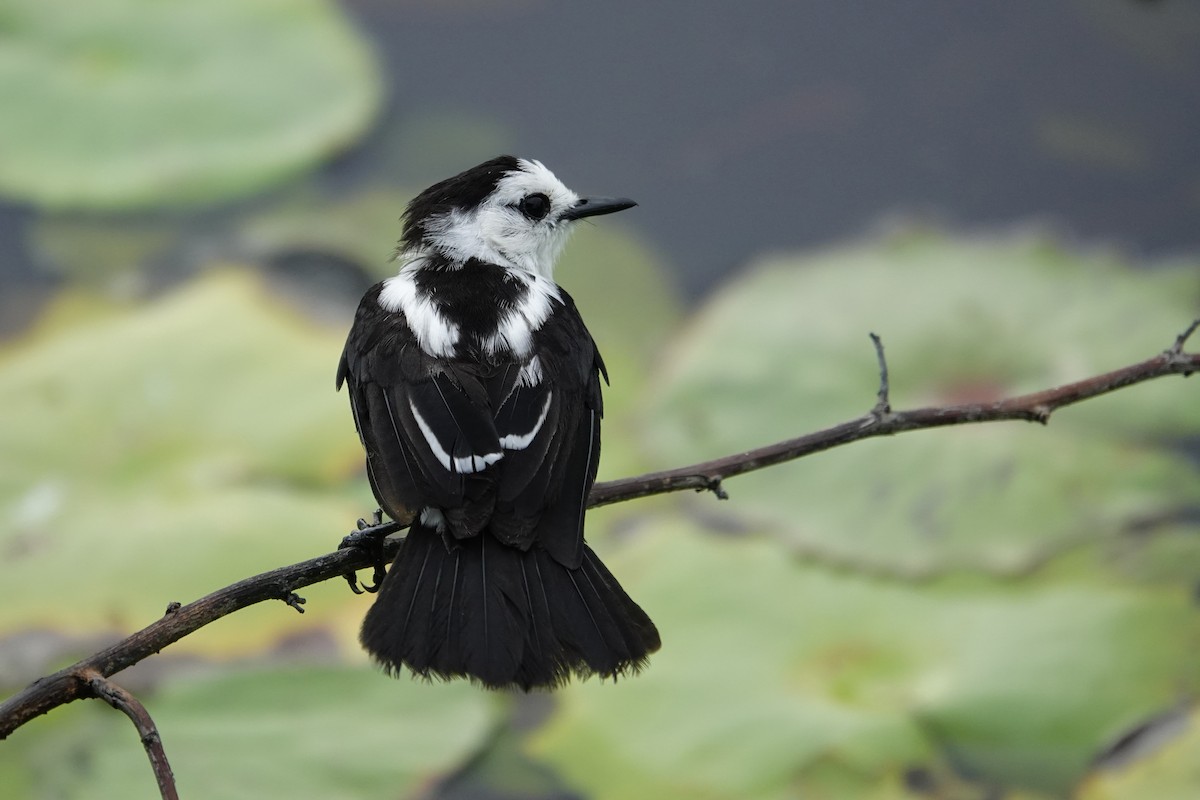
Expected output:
(502, 616)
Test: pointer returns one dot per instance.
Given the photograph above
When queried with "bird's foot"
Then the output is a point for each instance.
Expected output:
(368, 537)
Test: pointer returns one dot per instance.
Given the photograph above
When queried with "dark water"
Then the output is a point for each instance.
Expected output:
(758, 126)
(752, 126)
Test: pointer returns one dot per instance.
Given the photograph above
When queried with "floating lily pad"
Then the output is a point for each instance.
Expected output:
(138, 103)
(159, 453)
(312, 732)
(784, 351)
(772, 671)
(986, 498)
(1167, 766)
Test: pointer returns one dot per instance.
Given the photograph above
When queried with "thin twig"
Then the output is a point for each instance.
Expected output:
(120, 699)
(69, 684)
(1176, 350)
(883, 405)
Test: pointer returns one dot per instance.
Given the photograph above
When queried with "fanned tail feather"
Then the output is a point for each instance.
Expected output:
(503, 617)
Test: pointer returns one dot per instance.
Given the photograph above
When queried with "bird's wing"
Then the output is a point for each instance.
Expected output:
(524, 435)
(548, 419)
(426, 424)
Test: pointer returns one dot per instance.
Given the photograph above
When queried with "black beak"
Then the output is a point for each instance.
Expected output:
(595, 206)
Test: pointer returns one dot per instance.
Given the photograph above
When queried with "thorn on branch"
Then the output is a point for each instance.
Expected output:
(712, 483)
(294, 600)
(883, 405)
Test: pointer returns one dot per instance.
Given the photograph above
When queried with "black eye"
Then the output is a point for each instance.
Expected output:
(535, 206)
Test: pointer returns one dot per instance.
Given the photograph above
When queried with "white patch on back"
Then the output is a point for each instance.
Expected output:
(435, 334)
(515, 331)
(461, 466)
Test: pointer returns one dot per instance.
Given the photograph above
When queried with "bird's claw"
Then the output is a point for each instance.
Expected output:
(376, 520)
(377, 575)
(367, 537)
(352, 579)
(365, 532)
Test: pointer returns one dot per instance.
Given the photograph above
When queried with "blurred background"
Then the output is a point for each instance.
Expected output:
(193, 196)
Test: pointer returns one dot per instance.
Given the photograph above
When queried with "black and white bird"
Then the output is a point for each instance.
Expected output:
(475, 389)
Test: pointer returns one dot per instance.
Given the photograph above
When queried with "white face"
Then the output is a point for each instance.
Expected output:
(519, 225)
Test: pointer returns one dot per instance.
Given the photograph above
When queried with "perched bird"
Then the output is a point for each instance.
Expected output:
(475, 389)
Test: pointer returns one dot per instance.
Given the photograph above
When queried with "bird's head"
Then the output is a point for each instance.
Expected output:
(507, 211)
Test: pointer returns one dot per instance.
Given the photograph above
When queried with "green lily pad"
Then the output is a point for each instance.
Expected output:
(988, 498)
(311, 732)
(159, 453)
(725, 710)
(960, 319)
(784, 351)
(773, 673)
(138, 103)
(1168, 769)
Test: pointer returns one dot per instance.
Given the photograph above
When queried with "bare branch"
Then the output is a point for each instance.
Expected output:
(123, 701)
(281, 584)
(72, 683)
(881, 421)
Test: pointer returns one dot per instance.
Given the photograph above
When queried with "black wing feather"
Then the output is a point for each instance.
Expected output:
(560, 528)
